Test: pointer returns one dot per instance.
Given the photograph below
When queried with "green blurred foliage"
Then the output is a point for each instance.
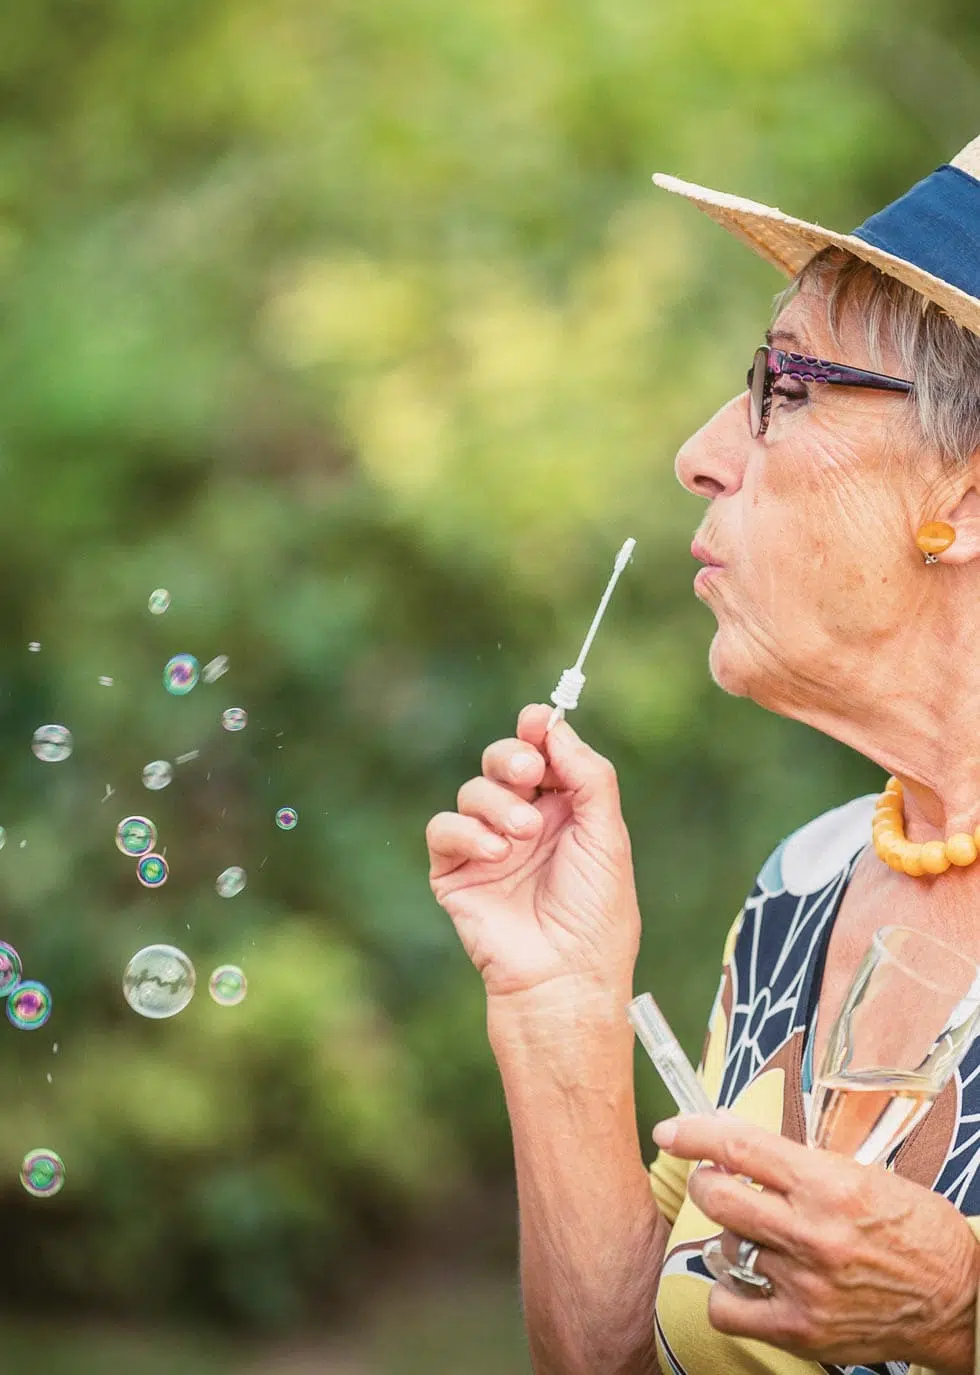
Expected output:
(361, 329)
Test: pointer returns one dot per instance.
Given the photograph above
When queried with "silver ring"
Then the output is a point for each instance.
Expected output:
(744, 1271)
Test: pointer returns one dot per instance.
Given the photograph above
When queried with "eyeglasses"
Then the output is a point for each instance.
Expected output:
(770, 363)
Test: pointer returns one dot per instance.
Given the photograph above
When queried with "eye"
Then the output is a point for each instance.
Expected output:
(791, 390)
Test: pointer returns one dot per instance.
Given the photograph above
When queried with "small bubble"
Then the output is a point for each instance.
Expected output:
(234, 718)
(152, 871)
(215, 669)
(105, 680)
(52, 744)
(158, 602)
(228, 985)
(157, 774)
(136, 836)
(186, 758)
(54, 1048)
(22, 845)
(35, 646)
(159, 981)
(49, 1078)
(230, 882)
(180, 674)
(29, 1005)
(11, 968)
(286, 818)
(42, 1172)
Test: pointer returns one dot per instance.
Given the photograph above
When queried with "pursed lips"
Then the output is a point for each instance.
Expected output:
(699, 552)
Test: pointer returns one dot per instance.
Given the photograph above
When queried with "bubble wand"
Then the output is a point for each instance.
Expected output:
(572, 680)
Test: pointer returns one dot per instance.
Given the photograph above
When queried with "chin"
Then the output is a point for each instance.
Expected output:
(731, 666)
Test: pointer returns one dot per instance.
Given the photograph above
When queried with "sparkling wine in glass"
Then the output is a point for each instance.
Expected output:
(908, 1019)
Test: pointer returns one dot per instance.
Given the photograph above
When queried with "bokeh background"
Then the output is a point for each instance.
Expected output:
(360, 328)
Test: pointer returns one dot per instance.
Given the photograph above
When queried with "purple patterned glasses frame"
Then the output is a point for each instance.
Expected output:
(770, 363)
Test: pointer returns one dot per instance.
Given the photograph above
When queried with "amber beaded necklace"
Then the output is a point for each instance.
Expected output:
(905, 856)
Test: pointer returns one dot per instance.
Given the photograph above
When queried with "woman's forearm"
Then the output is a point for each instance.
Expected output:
(592, 1238)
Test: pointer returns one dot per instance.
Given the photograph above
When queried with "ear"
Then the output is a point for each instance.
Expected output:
(965, 520)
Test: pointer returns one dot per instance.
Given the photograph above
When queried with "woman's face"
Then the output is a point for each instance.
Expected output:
(813, 525)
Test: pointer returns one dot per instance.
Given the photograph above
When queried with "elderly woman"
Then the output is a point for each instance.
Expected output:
(841, 553)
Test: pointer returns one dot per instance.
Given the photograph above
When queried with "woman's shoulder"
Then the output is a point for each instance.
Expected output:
(818, 852)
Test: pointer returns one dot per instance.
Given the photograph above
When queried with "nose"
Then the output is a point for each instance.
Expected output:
(712, 462)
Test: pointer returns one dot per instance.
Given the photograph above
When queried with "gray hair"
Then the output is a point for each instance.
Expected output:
(938, 355)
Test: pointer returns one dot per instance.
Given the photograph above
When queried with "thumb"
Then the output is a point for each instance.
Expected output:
(588, 777)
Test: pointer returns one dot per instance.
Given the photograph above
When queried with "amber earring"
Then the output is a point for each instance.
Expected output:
(934, 538)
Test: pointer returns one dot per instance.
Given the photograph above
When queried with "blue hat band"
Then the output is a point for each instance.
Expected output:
(935, 226)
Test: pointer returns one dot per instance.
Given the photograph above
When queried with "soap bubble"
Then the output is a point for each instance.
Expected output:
(180, 674)
(42, 1172)
(52, 744)
(157, 774)
(230, 882)
(136, 836)
(159, 981)
(215, 668)
(228, 985)
(286, 818)
(152, 871)
(11, 968)
(234, 718)
(159, 601)
(29, 1005)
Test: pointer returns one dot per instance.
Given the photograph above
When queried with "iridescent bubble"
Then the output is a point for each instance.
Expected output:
(29, 1005)
(180, 674)
(136, 835)
(52, 744)
(159, 601)
(11, 968)
(234, 718)
(42, 1172)
(152, 871)
(227, 985)
(157, 774)
(286, 818)
(215, 668)
(159, 981)
(230, 882)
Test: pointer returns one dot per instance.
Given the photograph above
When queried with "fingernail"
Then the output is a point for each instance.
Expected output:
(495, 847)
(665, 1132)
(521, 763)
(520, 818)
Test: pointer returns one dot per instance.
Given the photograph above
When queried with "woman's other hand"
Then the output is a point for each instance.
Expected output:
(535, 866)
(865, 1266)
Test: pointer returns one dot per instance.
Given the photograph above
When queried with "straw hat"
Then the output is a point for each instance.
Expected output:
(929, 238)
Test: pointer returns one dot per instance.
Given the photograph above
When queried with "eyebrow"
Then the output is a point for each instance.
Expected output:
(786, 334)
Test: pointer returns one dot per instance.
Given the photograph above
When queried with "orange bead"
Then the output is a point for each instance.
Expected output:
(961, 849)
(934, 857)
(889, 806)
(911, 857)
(935, 537)
(893, 786)
(894, 861)
(976, 839)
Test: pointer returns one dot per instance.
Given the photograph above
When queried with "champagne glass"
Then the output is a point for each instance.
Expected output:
(907, 1021)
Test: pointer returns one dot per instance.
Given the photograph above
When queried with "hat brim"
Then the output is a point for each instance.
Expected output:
(790, 243)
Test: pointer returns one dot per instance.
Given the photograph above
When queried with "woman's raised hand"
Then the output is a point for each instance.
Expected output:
(535, 868)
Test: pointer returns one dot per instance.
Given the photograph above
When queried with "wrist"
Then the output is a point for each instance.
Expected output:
(565, 1013)
(950, 1348)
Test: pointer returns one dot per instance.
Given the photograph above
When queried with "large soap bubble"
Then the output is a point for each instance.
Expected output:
(159, 981)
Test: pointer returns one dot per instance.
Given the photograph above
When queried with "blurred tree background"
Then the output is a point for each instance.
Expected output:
(361, 329)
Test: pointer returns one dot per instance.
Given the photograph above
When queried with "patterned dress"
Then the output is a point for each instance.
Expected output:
(756, 1062)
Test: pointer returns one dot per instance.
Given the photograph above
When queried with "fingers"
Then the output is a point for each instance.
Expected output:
(519, 765)
(763, 1217)
(452, 839)
(763, 1156)
(498, 808)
